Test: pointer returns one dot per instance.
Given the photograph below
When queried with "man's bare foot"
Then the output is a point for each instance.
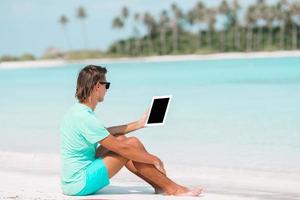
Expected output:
(183, 191)
(190, 192)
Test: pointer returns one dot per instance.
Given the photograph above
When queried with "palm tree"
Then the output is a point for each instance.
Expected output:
(250, 21)
(81, 15)
(295, 13)
(150, 23)
(164, 21)
(125, 14)
(224, 10)
(136, 31)
(260, 9)
(177, 15)
(117, 23)
(269, 16)
(235, 22)
(282, 9)
(191, 20)
(210, 18)
(197, 16)
(63, 20)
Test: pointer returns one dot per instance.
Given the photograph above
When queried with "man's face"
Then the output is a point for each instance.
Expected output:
(100, 90)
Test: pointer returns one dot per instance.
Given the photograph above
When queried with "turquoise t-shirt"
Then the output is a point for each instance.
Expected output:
(80, 133)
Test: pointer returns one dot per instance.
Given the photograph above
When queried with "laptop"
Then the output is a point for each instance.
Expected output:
(158, 110)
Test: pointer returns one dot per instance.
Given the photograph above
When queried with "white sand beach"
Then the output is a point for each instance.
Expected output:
(31, 64)
(164, 58)
(40, 180)
(36, 176)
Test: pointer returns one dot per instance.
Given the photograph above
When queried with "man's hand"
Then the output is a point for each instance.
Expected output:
(142, 121)
(159, 165)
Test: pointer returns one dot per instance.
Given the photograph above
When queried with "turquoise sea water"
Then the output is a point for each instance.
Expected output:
(234, 113)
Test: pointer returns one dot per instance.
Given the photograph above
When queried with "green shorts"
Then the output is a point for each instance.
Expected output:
(96, 178)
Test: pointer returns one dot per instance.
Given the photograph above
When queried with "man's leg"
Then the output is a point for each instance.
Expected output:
(102, 151)
(115, 162)
(130, 166)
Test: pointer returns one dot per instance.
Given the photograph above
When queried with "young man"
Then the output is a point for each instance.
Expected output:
(86, 168)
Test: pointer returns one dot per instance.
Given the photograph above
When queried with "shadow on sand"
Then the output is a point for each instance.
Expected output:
(113, 190)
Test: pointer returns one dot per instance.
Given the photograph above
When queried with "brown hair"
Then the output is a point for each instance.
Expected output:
(88, 77)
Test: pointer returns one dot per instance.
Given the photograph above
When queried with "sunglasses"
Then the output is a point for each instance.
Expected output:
(107, 84)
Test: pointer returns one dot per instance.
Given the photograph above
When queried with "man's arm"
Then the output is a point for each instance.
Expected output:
(124, 129)
(127, 128)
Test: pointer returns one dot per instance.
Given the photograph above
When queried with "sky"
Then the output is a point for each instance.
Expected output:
(31, 26)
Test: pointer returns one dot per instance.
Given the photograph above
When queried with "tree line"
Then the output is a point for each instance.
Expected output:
(264, 27)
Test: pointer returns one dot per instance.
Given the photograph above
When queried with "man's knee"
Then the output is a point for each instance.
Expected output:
(134, 141)
(121, 137)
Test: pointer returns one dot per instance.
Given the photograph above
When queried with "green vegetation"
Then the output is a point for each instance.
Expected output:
(262, 28)
(24, 57)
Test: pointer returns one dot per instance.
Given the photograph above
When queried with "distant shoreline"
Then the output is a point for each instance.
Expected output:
(164, 58)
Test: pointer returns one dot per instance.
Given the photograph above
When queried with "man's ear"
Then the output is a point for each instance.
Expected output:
(96, 87)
